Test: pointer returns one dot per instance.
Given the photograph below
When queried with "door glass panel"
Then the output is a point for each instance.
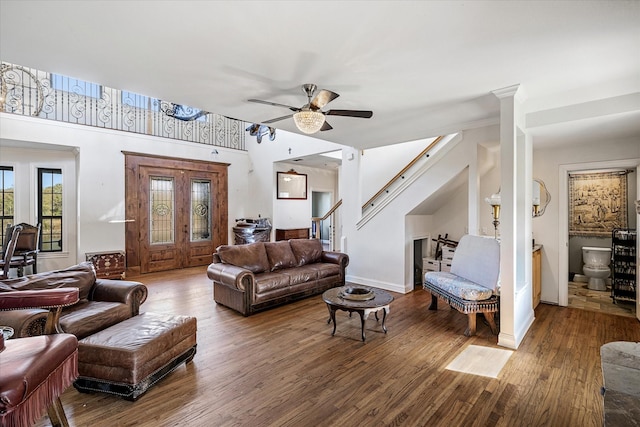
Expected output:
(200, 211)
(162, 215)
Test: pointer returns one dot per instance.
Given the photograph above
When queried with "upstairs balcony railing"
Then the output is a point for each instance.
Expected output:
(36, 93)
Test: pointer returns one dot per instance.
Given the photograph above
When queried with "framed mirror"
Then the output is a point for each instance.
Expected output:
(541, 197)
(291, 185)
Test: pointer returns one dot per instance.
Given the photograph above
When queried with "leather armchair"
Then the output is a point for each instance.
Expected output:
(103, 302)
(35, 371)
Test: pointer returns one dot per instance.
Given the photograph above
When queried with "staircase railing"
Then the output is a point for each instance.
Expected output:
(400, 175)
(317, 221)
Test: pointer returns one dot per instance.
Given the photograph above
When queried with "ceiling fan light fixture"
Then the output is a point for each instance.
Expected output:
(308, 121)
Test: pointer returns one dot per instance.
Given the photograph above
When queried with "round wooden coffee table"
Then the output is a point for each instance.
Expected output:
(338, 299)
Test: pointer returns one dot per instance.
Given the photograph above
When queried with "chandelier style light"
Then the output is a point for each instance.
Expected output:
(308, 121)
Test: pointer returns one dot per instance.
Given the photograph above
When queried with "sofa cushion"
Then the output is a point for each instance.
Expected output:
(306, 251)
(253, 256)
(325, 269)
(267, 282)
(88, 317)
(280, 255)
(306, 273)
(81, 276)
(458, 286)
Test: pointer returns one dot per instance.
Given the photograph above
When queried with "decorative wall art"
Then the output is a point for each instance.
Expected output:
(598, 203)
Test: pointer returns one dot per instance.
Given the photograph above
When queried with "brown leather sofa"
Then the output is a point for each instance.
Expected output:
(255, 277)
(103, 302)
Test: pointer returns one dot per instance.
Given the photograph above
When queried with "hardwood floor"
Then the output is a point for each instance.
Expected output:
(282, 367)
(580, 296)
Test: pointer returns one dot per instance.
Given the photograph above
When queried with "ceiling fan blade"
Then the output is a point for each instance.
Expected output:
(277, 119)
(275, 104)
(350, 113)
(323, 98)
(326, 126)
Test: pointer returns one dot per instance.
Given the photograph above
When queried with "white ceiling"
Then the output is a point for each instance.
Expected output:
(424, 68)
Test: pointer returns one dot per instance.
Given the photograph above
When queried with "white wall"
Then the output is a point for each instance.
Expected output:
(100, 177)
(547, 163)
(379, 165)
(297, 213)
(261, 176)
(381, 251)
(25, 163)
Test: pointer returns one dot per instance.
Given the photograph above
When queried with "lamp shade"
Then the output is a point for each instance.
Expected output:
(308, 121)
(494, 199)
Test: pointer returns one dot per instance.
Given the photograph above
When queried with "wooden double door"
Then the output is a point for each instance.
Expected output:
(179, 210)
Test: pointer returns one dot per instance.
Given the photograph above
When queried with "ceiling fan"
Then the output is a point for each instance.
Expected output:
(310, 118)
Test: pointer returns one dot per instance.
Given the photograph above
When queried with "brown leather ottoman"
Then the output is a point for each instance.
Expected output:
(131, 356)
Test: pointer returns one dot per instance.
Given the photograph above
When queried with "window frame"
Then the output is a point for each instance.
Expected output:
(4, 219)
(42, 218)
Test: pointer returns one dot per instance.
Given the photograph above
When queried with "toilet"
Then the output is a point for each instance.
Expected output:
(596, 266)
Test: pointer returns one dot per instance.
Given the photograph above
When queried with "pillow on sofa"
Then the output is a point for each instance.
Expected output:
(280, 255)
(307, 251)
(81, 276)
(253, 256)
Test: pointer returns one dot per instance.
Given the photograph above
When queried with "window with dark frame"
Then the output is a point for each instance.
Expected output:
(50, 209)
(7, 191)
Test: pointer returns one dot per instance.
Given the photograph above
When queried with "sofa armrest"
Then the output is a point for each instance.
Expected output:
(124, 291)
(231, 275)
(28, 322)
(339, 258)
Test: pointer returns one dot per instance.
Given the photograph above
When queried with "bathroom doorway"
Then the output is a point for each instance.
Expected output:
(573, 283)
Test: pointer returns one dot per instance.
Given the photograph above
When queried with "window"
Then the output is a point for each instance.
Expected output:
(50, 209)
(139, 101)
(77, 86)
(7, 190)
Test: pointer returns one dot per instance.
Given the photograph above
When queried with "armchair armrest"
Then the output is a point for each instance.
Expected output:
(46, 298)
(53, 299)
(124, 291)
(230, 275)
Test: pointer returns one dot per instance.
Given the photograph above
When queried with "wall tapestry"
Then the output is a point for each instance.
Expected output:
(598, 203)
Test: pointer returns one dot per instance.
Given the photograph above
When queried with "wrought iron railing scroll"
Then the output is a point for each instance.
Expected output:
(35, 93)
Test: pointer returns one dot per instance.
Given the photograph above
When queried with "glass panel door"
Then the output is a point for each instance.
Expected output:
(200, 210)
(162, 210)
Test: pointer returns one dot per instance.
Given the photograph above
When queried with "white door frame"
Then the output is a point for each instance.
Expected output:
(563, 216)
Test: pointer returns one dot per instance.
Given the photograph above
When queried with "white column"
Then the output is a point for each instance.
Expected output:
(516, 312)
(473, 226)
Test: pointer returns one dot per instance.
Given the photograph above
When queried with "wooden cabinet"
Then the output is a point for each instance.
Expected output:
(108, 265)
(536, 265)
(291, 233)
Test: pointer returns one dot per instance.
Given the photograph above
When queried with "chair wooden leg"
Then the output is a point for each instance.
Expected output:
(492, 322)
(57, 415)
(434, 302)
(471, 329)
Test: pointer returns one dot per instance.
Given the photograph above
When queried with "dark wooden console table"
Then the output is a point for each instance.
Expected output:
(291, 233)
